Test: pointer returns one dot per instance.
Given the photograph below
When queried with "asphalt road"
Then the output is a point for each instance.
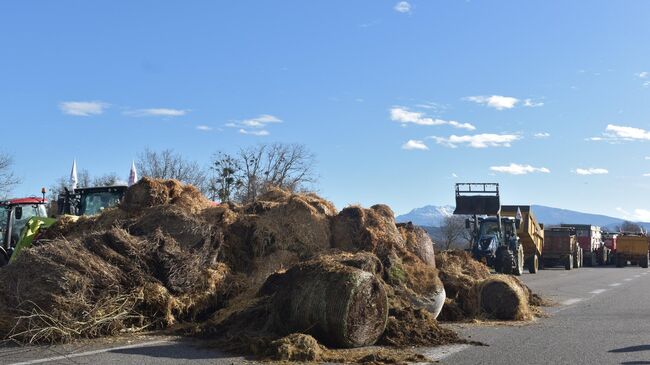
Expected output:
(599, 319)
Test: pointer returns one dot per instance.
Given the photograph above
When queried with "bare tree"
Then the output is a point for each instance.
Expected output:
(109, 179)
(453, 230)
(225, 178)
(7, 178)
(167, 164)
(630, 227)
(286, 166)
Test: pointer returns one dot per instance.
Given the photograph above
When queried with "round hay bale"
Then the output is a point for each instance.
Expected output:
(418, 242)
(502, 298)
(151, 192)
(293, 225)
(339, 305)
(358, 229)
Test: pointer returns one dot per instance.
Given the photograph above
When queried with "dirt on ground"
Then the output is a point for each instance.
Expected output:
(286, 277)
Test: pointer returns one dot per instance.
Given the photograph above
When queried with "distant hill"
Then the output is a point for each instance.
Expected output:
(432, 216)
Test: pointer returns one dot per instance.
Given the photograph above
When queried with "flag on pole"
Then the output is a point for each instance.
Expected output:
(519, 216)
(133, 174)
(73, 175)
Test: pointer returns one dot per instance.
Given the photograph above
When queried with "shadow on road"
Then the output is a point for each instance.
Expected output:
(632, 349)
(173, 351)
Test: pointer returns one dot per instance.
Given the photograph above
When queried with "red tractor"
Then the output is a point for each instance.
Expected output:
(14, 214)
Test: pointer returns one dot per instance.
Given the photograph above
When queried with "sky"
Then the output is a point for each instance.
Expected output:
(397, 100)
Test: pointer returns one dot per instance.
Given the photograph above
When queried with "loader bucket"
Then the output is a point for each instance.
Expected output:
(479, 199)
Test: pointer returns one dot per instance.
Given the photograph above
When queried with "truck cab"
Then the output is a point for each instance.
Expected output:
(14, 214)
(90, 201)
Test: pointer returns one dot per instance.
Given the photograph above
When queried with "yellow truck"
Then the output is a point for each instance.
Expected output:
(632, 247)
(530, 233)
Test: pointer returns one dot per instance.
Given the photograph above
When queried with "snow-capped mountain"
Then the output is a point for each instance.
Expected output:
(429, 215)
(432, 216)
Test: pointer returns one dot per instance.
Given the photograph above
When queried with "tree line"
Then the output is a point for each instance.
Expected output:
(239, 176)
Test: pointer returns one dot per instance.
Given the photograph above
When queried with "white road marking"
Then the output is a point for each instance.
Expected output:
(89, 353)
(637, 276)
(571, 301)
(597, 291)
(615, 284)
(627, 279)
(441, 352)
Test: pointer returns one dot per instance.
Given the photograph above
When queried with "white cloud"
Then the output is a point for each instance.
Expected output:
(403, 7)
(83, 108)
(497, 102)
(532, 104)
(255, 126)
(517, 169)
(639, 215)
(405, 116)
(254, 132)
(592, 171)
(204, 128)
(643, 74)
(646, 174)
(414, 145)
(478, 140)
(615, 133)
(156, 112)
(453, 174)
(542, 135)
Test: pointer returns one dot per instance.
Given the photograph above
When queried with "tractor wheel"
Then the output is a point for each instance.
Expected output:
(518, 267)
(644, 262)
(533, 264)
(568, 264)
(507, 260)
(3, 259)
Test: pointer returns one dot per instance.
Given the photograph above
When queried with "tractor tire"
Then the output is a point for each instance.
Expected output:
(4, 260)
(500, 257)
(507, 260)
(644, 262)
(568, 262)
(518, 264)
(533, 264)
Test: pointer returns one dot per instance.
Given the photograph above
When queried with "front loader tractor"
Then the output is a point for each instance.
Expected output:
(494, 238)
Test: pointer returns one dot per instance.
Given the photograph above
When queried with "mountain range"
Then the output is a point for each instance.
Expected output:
(432, 216)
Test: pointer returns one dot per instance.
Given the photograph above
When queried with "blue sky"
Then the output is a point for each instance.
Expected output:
(398, 100)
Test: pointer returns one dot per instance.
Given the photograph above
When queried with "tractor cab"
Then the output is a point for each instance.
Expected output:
(90, 201)
(14, 215)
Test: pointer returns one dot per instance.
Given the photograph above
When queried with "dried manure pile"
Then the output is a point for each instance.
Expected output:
(285, 278)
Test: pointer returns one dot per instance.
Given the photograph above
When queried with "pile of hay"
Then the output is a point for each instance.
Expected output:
(279, 278)
(474, 293)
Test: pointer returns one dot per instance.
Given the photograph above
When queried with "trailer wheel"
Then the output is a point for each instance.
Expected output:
(644, 262)
(519, 261)
(568, 264)
(619, 261)
(533, 265)
(581, 257)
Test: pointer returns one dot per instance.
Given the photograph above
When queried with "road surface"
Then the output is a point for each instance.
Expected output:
(600, 318)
